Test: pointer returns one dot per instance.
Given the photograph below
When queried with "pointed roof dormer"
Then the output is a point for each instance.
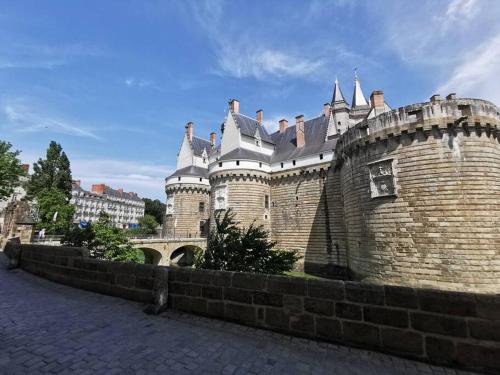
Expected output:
(338, 101)
(358, 98)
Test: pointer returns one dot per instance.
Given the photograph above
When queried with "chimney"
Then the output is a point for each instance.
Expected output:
(435, 98)
(451, 96)
(77, 182)
(326, 109)
(212, 139)
(299, 129)
(98, 188)
(283, 125)
(26, 168)
(120, 191)
(259, 115)
(234, 106)
(189, 130)
(377, 99)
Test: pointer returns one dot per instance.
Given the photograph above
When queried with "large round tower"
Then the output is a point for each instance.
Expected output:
(421, 192)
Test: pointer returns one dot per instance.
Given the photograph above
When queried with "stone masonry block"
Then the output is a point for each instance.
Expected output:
(179, 275)
(488, 306)
(193, 290)
(319, 306)
(127, 281)
(386, 316)
(222, 278)
(144, 283)
(440, 350)
(450, 303)
(303, 323)
(326, 289)
(215, 309)
(484, 329)
(199, 306)
(364, 293)
(268, 299)
(348, 311)
(144, 270)
(329, 329)
(212, 292)
(203, 277)
(181, 303)
(401, 296)
(445, 325)
(238, 295)
(402, 341)
(361, 334)
(177, 288)
(292, 304)
(479, 356)
(249, 281)
(277, 318)
(240, 313)
(286, 285)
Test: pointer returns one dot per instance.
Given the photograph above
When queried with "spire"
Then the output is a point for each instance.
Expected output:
(338, 100)
(358, 99)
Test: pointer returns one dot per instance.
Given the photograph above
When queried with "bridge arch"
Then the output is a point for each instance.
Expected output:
(151, 256)
(184, 255)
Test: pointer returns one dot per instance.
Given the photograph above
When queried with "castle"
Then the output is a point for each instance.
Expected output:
(407, 196)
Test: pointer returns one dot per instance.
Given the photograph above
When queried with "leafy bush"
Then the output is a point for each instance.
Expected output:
(231, 248)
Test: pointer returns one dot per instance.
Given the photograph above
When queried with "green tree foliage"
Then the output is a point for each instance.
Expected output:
(154, 208)
(55, 214)
(52, 172)
(232, 248)
(104, 241)
(147, 227)
(10, 169)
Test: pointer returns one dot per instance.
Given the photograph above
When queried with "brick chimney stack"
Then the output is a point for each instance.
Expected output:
(299, 129)
(234, 106)
(377, 99)
(189, 130)
(435, 98)
(212, 139)
(326, 109)
(259, 115)
(283, 125)
(98, 188)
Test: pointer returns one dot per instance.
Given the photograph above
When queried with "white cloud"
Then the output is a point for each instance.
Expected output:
(23, 118)
(148, 180)
(272, 124)
(141, 83)
(477, 75)
(458, 13)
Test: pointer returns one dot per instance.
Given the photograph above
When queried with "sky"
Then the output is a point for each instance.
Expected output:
(115, 82)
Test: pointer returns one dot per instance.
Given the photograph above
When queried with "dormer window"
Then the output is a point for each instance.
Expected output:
(237, 162)
(257, 143)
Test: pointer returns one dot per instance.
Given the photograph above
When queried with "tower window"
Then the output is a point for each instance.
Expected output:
(237, 162)
(178, 178)
(220, 164)
(260, 165)
(293, 162)
(266, 201)
(201, 207)
(201, 179)
(320, 156)
(281, 165)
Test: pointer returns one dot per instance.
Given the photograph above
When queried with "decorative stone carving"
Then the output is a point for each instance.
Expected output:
(382, 182)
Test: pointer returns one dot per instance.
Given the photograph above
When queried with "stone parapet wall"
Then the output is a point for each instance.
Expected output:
(449, 328)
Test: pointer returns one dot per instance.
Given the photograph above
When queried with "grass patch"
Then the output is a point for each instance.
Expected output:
(301, 274)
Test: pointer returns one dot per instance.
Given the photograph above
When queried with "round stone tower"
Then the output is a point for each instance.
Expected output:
(188, 203)
(421, 195)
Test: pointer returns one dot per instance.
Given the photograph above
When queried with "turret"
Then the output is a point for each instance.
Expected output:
(339, 119)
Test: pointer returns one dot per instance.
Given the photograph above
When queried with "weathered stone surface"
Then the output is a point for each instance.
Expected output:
(319, 306)
(248, 281)
(286, 285)
(240, 313)
(329, 329)
(303, 323)
(348, 311)
(238, 295)
(292, 304)
(268, 299)
(364, 293)
(386, 316)
(212, 292)
(479, 356)
(445, 325)
(401, 296)
(451, 303)
(361, 334)
(277, 318)
(484, 329)
(401, 341)
(488, 306)
(440, 350)
(326, 289)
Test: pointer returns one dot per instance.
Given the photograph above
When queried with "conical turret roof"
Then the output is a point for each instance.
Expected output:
(358, 98)
(338, 101)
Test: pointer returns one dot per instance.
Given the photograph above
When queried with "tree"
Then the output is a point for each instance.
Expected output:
(231, 248)
(52, 172)
(154, 208)
(55, 214)
(104, 241)
(148, 224)
(10, 170)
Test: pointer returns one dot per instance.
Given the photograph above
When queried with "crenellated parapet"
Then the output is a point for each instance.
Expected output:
(450, 115)
(181, 188)
(245, 175)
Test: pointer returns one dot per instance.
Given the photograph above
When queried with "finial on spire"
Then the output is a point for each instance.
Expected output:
(355, 74)
(358, 98)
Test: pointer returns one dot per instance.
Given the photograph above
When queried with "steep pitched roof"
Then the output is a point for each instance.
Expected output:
(358, 98)
(315, 134)
(200, 144)
(244, 154)
(190, 171)
(115, 193)
(248, 126)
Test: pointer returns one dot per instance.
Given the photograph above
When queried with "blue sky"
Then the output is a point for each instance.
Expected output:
(116, 81)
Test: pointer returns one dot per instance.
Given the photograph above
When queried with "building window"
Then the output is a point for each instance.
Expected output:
(260, 165)
(266, 201)
(257, 143)
(237, 162)
(220, 197)
(293, 162)
(178, 178)
(170, 205)
(320, 156)
(281, 165)
(201, 207)
(201, 179)
(382, 182)
(220, 164)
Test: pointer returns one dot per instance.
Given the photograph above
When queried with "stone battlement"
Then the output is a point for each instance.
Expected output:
(422, 116)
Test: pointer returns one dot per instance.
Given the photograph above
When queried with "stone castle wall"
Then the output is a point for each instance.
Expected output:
(307, 216)
(246, 191)
(440, 228)
(185, 221)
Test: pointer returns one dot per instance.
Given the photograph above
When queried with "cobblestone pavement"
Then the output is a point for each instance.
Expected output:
(51, 328)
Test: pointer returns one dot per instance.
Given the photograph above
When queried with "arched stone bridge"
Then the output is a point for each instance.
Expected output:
(170, 251)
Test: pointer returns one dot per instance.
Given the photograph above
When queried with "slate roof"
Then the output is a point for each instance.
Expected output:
(248, 126)
(199, 144)
(190, 171)
(315, 135)
(244, 154)
(115, 193)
